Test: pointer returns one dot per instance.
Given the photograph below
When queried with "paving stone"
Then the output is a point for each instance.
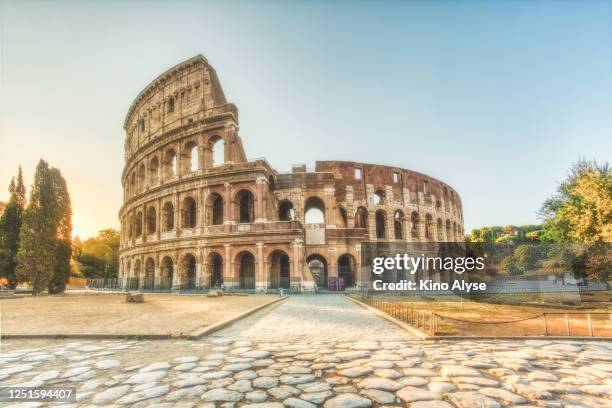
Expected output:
(149, 393)
(356, 371)
(147, 377)
(293, 379)
(265, 382)
(384, 384)
(221, 394)
(440, 387)
(381, 397)
(504, 395)
(256, 396)
(298, 403)
(107, 364)
(411, 394)
(110, 394)
(348, 401)
(155, 367)
(457, 370)
(472, 400)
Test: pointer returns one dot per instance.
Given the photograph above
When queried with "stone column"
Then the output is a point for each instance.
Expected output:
(259, 208)
(228, 270)
(176, 276)
(228, 208)
(200, 271)
(330, 207)
(261, 282)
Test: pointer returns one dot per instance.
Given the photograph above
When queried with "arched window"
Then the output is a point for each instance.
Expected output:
(167, 273)
(132, 183)
(428, 226)
(343, 217)
(317, 265)
(361, 218)
(141, 177)
(215, 263)
(246, 206)
(217, 147)
(154, 171)
(398, 224)
(168, 216)
(247, 271)
(171, 104)
(449, 231)
(151, 220)
(131, 227)
(440, 230)
(346, 270)
(149, 278)
(285, 211)
(381, 220)
(170, 163)
(188, 278)
(378, 197)
(139, 224)
(415, 221)
(314, 211)
(279, 270)
(189, 213)
(190, 158)
(214, 209)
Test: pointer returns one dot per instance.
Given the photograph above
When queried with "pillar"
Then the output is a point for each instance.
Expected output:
(261, 282)
(228, 269)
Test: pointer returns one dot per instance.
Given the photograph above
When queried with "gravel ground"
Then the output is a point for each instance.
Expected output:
(297, 354)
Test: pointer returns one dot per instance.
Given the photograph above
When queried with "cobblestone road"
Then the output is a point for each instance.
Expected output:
(315, 351)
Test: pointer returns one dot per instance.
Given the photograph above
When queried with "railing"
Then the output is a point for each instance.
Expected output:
(563, 324)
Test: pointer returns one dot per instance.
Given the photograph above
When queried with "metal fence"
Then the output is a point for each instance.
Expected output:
(583, 324)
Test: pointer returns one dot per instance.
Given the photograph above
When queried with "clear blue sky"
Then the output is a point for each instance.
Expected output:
(495, 98)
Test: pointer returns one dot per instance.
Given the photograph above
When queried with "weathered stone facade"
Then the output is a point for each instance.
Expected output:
(188, 222)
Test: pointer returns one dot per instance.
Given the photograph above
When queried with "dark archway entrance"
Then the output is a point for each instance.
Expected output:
(247, 271)
(279, 276)
(317, 265)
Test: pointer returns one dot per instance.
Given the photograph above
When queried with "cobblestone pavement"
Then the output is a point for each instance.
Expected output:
(315, 351)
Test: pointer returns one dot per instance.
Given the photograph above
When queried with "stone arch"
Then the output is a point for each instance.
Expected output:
(132, 183)
(138, 222)
(170, 104)
(398, 224)
(378, 198)
(346, 270)
(271, 183)
(440, 230)
(343, 217)
(214, 209)
(167, 273)
(216, 148)
(151, 220)
(167, 216)
(154, 171)
(381, 224)
(149, 275)
(190, 160)
(455, 238)
(361, 218)
(131, 226)
(279, 270)
(317, 265)
(314, 210)
(429, 225)
(188, 273)
(246, 270)
(415, 224)
(245, 202)
(215, 265)
(286, 211)
(135, 275)
(189, 213)
(141, 177)
(169, 163)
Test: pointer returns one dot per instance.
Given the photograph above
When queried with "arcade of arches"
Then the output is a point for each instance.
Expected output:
(197, 213)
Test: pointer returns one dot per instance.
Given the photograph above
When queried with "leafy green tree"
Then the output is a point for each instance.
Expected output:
(581, 211)
(10, 224)
(100, 255)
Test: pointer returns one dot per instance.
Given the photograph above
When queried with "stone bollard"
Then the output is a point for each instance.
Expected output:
(134, 297)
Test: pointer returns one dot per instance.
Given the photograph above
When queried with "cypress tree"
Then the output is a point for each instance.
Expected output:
(63, 248)
(38, 233)
(10, 225)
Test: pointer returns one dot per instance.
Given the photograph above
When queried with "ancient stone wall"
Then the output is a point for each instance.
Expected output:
(197, 213)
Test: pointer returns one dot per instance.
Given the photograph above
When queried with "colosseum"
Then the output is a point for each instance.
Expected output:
(198, 214)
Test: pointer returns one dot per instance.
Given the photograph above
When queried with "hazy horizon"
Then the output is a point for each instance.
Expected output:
(495, 99)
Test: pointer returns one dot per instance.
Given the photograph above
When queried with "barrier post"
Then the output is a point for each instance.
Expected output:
(567, 328)
(545, 325)
(590, 325)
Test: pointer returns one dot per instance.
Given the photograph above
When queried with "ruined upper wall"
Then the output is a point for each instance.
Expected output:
(418, 186)
(185, 93)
